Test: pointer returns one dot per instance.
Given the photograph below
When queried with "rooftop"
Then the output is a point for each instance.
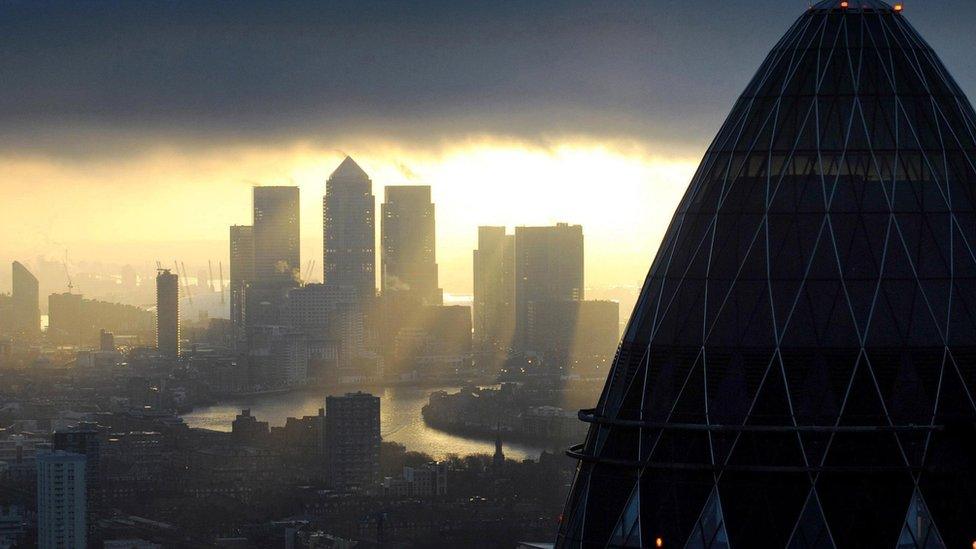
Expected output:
(857, 6)
(348, 169)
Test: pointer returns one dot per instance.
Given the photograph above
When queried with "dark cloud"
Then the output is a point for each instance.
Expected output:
(654, 70)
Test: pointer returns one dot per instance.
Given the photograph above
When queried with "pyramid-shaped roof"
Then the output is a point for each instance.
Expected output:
(801, 363)
(349, 169)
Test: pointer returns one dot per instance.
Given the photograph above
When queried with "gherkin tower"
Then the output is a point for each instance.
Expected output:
(800, 368)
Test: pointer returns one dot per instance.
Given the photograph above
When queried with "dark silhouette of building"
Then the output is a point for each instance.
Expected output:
(548, 267)
(246, 429)
(241, 273)
(277, 255)
(25, 302)
(494, 290)
(352, 434)
(349, 230)
(409, 255)
(168, 313)
(498, 459)
(799, 368)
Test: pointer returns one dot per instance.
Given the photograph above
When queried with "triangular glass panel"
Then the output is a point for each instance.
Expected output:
(629, 519)
(811, 530)
(919, 531)
(710, 531)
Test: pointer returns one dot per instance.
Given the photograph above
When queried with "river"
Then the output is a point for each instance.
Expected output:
(400, 420)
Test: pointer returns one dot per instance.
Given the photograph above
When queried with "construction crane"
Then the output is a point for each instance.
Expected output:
(220, 267)
(66, 273)
(186, 284)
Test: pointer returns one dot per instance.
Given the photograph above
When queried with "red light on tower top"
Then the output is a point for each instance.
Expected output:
(845, 4)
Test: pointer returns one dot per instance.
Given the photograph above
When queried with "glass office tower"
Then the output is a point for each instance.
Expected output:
(800, 369)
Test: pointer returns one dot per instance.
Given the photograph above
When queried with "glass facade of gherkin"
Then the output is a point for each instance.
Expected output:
(800, 369)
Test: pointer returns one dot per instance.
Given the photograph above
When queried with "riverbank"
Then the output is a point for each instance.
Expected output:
(484, 433)
(513, 411)
(400, 419)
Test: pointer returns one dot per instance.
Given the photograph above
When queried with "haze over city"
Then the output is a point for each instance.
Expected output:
(526, 274)
(133, 133)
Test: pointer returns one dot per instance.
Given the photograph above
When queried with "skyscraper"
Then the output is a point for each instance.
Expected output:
(84, 439)
(277, 257)
(331, 318)
(409, 256)
(349, 230)
(494, 290)
(241, 272)
(352, 425)
(168, 313)
(548, 267)
(61, 501)
(798, 370)
(25, 301)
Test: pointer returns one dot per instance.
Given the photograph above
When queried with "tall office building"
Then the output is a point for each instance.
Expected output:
(409, 257)
(61, 501)
(548, 267)
(241, 272)
(799, 368)
(84, 439)
(494, 290)
(332, 320)
(277, 257)
(168, 313)
(349, 230)
(25, 301)
(352, 425)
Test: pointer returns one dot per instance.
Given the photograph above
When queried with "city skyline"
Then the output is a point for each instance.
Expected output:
(204, 172)
(529, 275)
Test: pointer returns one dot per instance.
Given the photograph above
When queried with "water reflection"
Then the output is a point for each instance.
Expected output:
(399, 418)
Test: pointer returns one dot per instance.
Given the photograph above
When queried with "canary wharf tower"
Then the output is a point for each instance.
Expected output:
(800, 369)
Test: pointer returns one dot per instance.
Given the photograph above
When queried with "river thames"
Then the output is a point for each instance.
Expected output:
(400, 419)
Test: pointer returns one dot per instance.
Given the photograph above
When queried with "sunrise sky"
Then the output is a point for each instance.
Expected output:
(137, 134)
